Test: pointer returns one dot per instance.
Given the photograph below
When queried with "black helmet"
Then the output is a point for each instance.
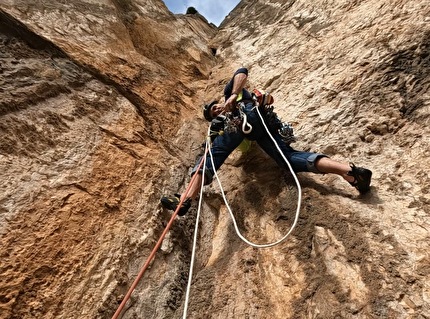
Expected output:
(207, 110)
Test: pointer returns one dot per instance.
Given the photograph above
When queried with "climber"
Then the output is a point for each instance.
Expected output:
(238, 119)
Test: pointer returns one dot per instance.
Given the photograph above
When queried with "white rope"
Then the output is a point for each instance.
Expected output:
(193, 252)
(299, 198)
(245, 123)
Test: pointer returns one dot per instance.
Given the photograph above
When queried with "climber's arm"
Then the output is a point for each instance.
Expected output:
(239, 82)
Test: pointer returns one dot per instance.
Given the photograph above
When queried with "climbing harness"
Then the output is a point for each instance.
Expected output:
(233, 121)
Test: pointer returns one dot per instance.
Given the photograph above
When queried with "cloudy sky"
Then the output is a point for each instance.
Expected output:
(213, 10)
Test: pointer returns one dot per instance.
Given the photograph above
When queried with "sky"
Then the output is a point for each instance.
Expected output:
(213, 10)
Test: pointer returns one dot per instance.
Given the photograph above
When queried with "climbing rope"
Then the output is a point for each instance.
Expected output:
(299, 197)
(245, 122)
(193, 252)
(154, 250)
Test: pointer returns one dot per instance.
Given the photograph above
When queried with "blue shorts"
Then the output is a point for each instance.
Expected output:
(223, 145)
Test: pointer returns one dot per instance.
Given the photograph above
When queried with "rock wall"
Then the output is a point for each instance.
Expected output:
(100, 116)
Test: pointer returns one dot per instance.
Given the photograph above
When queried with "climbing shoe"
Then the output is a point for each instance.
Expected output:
(171, 202)
(362, 177)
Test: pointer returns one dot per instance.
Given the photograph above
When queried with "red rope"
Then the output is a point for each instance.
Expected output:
(160, 241)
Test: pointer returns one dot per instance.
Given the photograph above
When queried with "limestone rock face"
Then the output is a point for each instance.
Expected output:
(100, 116)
